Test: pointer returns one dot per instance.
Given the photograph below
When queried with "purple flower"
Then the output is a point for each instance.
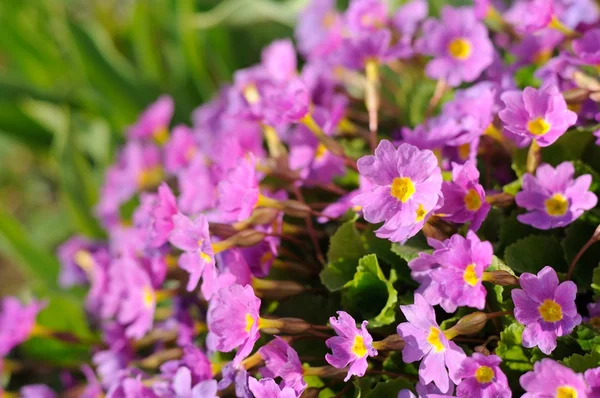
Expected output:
(268, 388)
(239, 376)
(458, 279)
(481, 377)
(158, 221)
(279, 60)
(238, 192)
(553, 198)
(356, 51)
(464, 197)
(17, 321)
(193, 237)
(587, 48)
(406, 189)
(180, 149)
(197, 187)
(592, 378)
(154, 122)
(409, 15)
(546, 308)
(459, 44)
(78, 259)
(233, 320)
(130, 387)
(549, 379)
(352, 346)
(183, 387)
(533, 114)
(37, 391)
(309, 156)
(529, 16)
(318, 29)
(423, 338)
(111, 362)
(286, 103)
(366, 16)
(281, 360)
(130, 296)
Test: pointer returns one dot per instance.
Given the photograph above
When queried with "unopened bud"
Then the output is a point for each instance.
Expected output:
(501, 278)
(328, 372)
(248, 237)
(390, 343)
(439, 229)
(222, 230)
(296, 209)
(263, 216)
(468, 324)
(276, 290)
(284, 325)
(501, 199)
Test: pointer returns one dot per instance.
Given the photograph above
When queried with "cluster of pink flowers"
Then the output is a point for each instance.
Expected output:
(184, 291)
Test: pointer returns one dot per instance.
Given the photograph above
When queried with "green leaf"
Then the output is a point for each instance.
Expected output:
(582, 169)
(569, 147)
(41, 266)
(596, 281)
(388, 388)
(513, 187)
(346, 247)
(371, 294)
(581, 363)
(411, 249)
(17, 125)
(533, 253)
(511, 350)
(499, 265)
(587, 338)
(577, 234)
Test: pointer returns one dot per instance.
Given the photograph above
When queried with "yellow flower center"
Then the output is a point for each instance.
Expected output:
(402, 189)
(470, 276)
(550, 311)
(205, 257)
(421, 212)
(148, 296)
(320, 152)
(249, 322)
(472, 200)
(464, 150)
(251, 94)
(434, 339)
(484, 374)
(557, 205)
(538, 126)
(358, 348)
(84, 259)
(150, 178)
(566, 392)
(161, 135)
(460, 48)
(493, 132)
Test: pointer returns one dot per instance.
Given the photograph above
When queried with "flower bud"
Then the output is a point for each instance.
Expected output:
(468, 324)
(501, 199)
(328, 372)
(247, 237)
(276, 290)
(390, 343)
(296, 209)
(502, 278)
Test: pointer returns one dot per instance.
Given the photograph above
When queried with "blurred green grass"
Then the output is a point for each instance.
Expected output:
(73, 75)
